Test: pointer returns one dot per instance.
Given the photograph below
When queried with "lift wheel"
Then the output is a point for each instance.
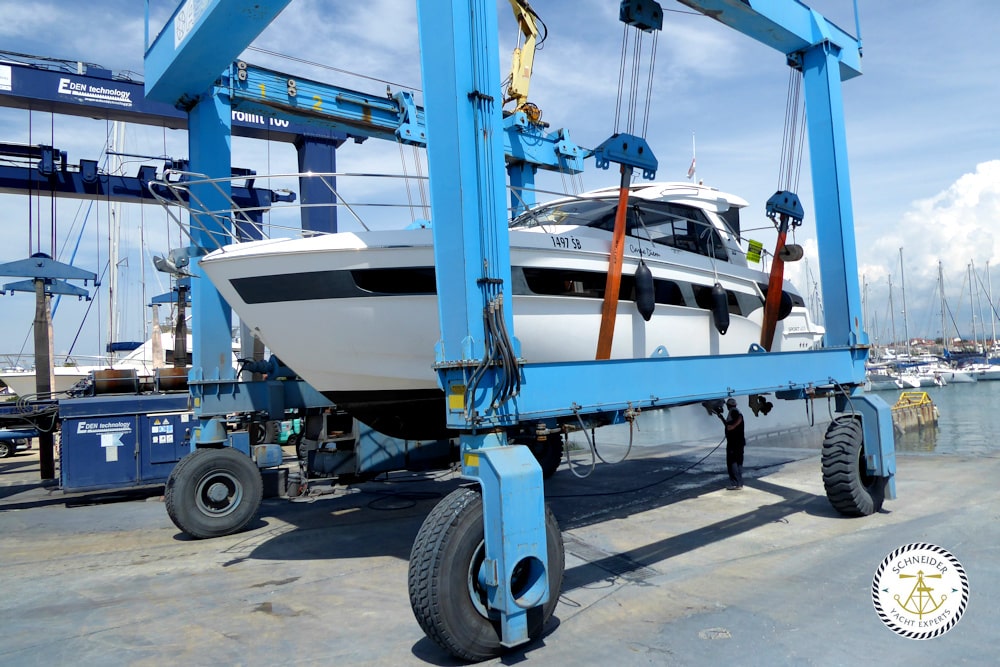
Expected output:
(213, 492)
(851, 489)
(446, 593)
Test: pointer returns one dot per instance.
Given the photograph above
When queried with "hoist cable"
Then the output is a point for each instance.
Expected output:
(802, 144)
(633, 96)
(621, 76)
(649, 84)
(792, 141)
(406, 181)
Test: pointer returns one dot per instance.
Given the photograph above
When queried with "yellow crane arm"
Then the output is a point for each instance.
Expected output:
(523, 59)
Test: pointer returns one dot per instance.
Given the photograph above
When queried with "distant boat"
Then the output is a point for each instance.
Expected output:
(68, 372)
(881, 378)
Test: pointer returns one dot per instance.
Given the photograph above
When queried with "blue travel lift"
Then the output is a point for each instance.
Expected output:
(487, 565)
(86, 464)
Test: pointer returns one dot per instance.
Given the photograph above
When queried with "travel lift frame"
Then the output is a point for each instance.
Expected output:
(513, 586)
(315, 130)
(216, 393)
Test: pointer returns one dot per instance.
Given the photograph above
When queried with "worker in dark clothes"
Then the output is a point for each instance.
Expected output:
(735, 443)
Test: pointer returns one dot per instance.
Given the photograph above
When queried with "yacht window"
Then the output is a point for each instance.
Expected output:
(585, 212)
(559, 282)
(676, 225)
(407, 280)
(738, 305)
(668, 292)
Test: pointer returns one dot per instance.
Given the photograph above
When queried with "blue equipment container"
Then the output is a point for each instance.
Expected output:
(111, 442)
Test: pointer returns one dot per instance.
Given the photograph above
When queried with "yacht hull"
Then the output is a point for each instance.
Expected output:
(356, 316)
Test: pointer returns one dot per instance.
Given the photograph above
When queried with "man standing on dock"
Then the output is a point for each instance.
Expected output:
(735, 443)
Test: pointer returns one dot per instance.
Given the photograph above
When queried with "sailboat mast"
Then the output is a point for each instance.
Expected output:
(116, 166)
(902, 287)
(972, 303)
(944, 332)
(993, 319)
(892, 313)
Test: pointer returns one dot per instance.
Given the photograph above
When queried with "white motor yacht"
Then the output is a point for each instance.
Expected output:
(355, 313)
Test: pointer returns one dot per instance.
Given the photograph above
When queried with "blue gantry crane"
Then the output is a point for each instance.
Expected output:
(487, 565)
(317, 128)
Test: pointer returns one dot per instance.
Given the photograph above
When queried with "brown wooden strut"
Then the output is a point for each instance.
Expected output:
(772, 303)
(609, 308)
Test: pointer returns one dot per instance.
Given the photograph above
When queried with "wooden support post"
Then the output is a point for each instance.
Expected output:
(44, 374)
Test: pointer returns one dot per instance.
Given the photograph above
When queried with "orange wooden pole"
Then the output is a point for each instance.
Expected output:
(609, 309)
(772, 303)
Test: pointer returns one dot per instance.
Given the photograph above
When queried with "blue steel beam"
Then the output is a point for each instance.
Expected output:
(198, 43)
(98, 94)
(826, 55)
(787, 26)
(42, 266)
(86, 182)
(260, 91)
(50, 287)
(590, 388)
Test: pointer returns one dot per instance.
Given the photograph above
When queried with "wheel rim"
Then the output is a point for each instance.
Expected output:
(520, 579)
(866, 479)
(476, 580)
(218, 493)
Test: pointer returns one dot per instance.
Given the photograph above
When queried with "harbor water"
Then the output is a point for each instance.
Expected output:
(966, 410)
(967, 413)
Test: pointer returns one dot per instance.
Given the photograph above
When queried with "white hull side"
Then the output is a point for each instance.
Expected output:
(22, 383)
(387, 342)
(958, 377)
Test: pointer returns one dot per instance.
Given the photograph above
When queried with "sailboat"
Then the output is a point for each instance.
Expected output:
(69, 371)
(951, 372)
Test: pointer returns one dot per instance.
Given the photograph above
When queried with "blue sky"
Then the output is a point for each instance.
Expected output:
(923, 134)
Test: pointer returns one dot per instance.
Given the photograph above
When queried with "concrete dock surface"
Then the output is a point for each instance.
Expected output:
(664, 566)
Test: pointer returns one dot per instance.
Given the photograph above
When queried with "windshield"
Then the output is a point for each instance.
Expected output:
(666, 223)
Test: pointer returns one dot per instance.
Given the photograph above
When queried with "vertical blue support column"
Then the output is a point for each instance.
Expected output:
(459, 58)
(211, 154)
(458, 51)
(522, 187)
(832, 192)
(319, 156)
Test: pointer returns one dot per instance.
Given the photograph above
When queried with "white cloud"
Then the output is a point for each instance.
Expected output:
(958, 227)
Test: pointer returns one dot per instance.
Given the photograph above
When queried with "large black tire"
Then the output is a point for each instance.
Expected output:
(445, 594)
(7, 449)
(213, 492)
(849, 487)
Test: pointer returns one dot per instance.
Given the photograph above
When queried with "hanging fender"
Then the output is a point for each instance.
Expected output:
(720, 308)
(645, 296)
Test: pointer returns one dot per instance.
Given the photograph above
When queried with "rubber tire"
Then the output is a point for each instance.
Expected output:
(849, 487)
(442, 554)
(194, 473)
(7, 449)
(548, 454)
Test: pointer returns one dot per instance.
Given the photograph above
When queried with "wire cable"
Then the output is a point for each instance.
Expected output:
(639, 488)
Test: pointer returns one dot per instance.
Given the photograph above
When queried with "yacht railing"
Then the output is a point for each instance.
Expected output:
(25, 362)
(186, 191)
(182, 192)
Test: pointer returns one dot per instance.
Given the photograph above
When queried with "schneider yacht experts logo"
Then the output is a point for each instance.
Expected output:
(920, 591)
